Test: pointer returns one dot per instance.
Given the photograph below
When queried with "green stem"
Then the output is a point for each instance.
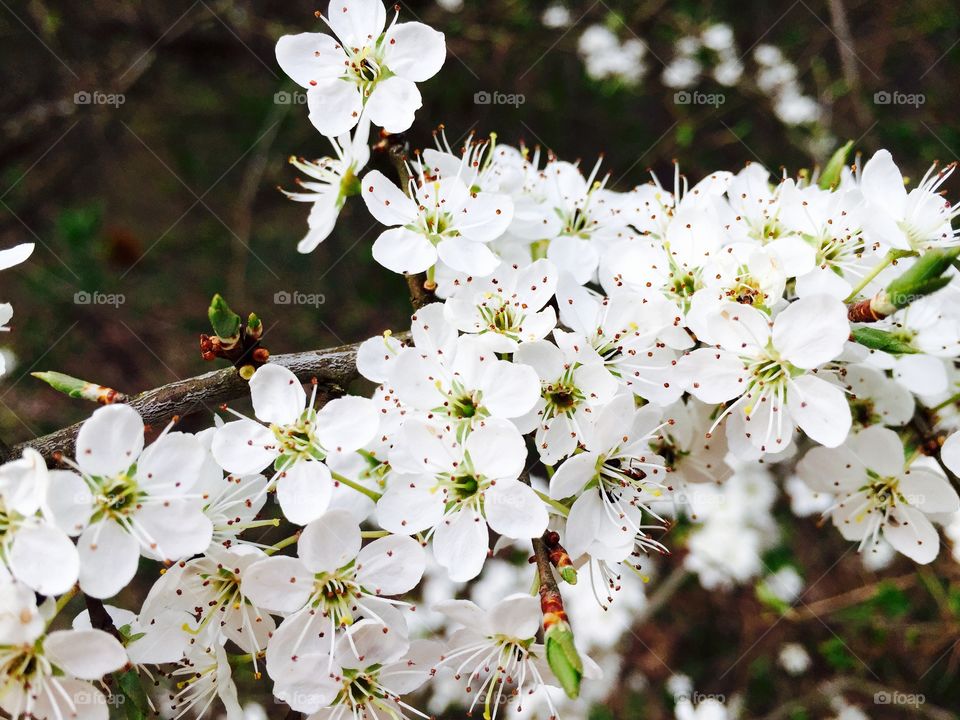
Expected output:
(372, 494)
(869, 277)
(286, 542)
(949, 401)
(555, 504)
(62, 602)
(374, 534)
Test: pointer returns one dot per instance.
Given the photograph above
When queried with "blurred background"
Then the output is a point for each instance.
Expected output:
(142, 145)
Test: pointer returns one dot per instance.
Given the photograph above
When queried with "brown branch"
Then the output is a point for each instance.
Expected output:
(332, 367)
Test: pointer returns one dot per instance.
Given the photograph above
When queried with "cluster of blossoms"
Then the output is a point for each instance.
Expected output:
(597, 366)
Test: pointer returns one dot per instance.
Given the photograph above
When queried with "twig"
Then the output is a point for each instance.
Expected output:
(99, 617)
(333, 366)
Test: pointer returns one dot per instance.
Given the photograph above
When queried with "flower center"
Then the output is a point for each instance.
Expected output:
(118, 496)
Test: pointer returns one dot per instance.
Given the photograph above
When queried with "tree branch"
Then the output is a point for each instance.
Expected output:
(333, 366)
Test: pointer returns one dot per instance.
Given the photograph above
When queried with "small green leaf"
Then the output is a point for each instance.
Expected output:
(830, 177)
(924, 277)
(563, 658)
(882, 340)
(136, 706)
(569, 574)
(225, 322)
(77, 388)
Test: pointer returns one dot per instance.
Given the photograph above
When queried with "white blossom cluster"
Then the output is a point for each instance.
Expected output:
(598, 363)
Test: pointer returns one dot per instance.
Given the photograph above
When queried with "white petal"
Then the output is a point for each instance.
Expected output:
(385, 201)
(393, 104)
(244, 447)
(108, 559)
(911, 533)
(820, 409)
(70, 501)
(879, 449)
(171, 465)
(713, 376)
(929, 491)
(404, 251)
(950, 453)
(573, 474)
(460, 545)
(278, 397)
(329, 542)
(335, 106)
(513, 509)
(347, 424)
(516, 616)
(43, 558)
(391, 565)
(173, 530)
(15, 255)
(414, 51)
(467, 256)
(497, 450)
(486, 216)
(310, 57)
(358, 23)
(811, 331)
(279, 584)
(110, 441)
(304, 491)
(407, 507)
(85, 654)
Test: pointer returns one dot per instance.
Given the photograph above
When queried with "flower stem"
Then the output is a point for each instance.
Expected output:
(286, 542)
(372, 494)
(555, 504)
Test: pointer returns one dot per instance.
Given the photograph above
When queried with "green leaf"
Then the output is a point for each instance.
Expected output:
(77, 388)
(830, 177)
(924, 277)
(882, 340)
(136, 706)
(225, 322)
(563, 658)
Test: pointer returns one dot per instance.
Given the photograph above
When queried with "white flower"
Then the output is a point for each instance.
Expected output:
(708, 709)
(496, 652)
(442, 218)
(206, 674)
(366, 69)
(613, 482)
(625, 330)
(142, 500)
(458, 489)
(209, 588)
(573, 385)
(466, 385)
(878, 493)
(370, 672)
(794, 658)
(51, 678)
(329, 586)
(297, 440)
(900, 220)
(506, 308)
(774, 371)
(33, 541)
(334, 179)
